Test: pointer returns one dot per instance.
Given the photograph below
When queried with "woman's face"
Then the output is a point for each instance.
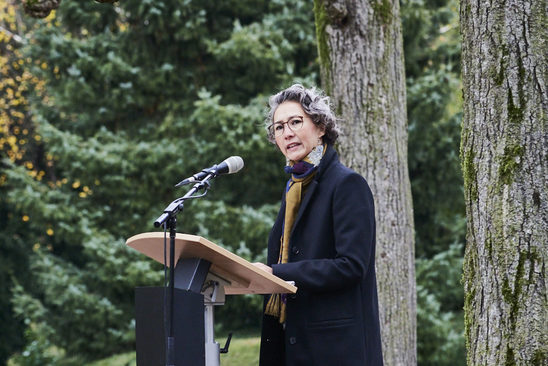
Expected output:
(296, 145)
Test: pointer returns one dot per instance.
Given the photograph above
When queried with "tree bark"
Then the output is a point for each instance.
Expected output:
(504, 152)
(362, 69)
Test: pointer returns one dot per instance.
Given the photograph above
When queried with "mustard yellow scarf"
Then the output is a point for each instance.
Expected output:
(296, 189)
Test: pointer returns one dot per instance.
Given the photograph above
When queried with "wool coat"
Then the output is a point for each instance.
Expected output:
(333, 318)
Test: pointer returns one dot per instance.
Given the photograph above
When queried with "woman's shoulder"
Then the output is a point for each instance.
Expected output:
(341, 171)
(346, 187)
(335, 172)
(341, 176)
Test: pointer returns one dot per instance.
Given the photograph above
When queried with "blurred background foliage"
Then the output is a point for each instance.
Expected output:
(103, 108)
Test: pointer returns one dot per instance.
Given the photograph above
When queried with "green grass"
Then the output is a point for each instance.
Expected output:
(125, 359)
(243, 351)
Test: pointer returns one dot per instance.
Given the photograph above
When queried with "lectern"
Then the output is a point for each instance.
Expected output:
(204, 273)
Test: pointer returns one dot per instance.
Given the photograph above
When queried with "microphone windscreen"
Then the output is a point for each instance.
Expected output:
(235, 164)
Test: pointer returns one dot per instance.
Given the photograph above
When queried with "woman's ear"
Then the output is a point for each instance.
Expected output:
(322, 132)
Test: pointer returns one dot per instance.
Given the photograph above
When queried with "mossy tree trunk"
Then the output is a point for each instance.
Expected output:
(362, 69)
(504, 152)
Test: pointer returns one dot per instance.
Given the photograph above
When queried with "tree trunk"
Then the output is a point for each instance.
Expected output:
(362, 69)
(504, 152)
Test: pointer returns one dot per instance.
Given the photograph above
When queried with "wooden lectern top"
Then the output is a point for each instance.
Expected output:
(244, 277)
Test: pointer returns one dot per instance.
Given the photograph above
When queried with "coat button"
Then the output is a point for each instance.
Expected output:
(295, 250)
(292, 340)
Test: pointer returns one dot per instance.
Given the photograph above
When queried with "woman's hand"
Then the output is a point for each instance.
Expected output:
(263, 266)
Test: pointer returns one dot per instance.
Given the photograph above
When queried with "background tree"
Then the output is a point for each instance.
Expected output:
(368, 89)
(504, 158)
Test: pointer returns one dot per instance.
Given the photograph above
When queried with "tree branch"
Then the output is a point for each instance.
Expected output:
(17, 38)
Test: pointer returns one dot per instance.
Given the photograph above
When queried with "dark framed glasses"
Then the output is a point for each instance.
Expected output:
(294, 123)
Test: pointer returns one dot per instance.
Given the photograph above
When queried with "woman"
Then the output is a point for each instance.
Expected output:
(324, 241)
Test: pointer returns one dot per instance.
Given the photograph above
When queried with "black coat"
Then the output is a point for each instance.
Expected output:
(333, 318)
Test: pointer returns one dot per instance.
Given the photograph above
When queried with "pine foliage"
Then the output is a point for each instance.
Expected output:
(134, 97)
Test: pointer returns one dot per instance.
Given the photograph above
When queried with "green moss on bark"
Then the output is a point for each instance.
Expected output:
(515, 112)
(339, 111)
(510, 359)
(470, 174)
(510, 162)
(539, 358)
(534, 259)
(383, 10)
(468, 278)
(512, 297)
(499, 76)
(321, 20)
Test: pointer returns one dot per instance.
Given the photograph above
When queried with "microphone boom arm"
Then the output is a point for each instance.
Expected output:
(174, 207)
(196, 177)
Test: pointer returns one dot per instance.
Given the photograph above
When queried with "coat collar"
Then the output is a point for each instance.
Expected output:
(328, 159)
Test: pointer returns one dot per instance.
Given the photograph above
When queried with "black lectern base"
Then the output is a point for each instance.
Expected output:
(150, 332)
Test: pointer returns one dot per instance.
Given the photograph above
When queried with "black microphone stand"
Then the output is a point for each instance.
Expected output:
(169, 218)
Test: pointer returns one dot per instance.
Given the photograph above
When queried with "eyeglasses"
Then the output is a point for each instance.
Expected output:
(294, 123)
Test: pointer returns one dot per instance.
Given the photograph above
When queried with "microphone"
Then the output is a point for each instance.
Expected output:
(230, 165)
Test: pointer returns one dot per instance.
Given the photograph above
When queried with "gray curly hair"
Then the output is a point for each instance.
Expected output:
(316, 105)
